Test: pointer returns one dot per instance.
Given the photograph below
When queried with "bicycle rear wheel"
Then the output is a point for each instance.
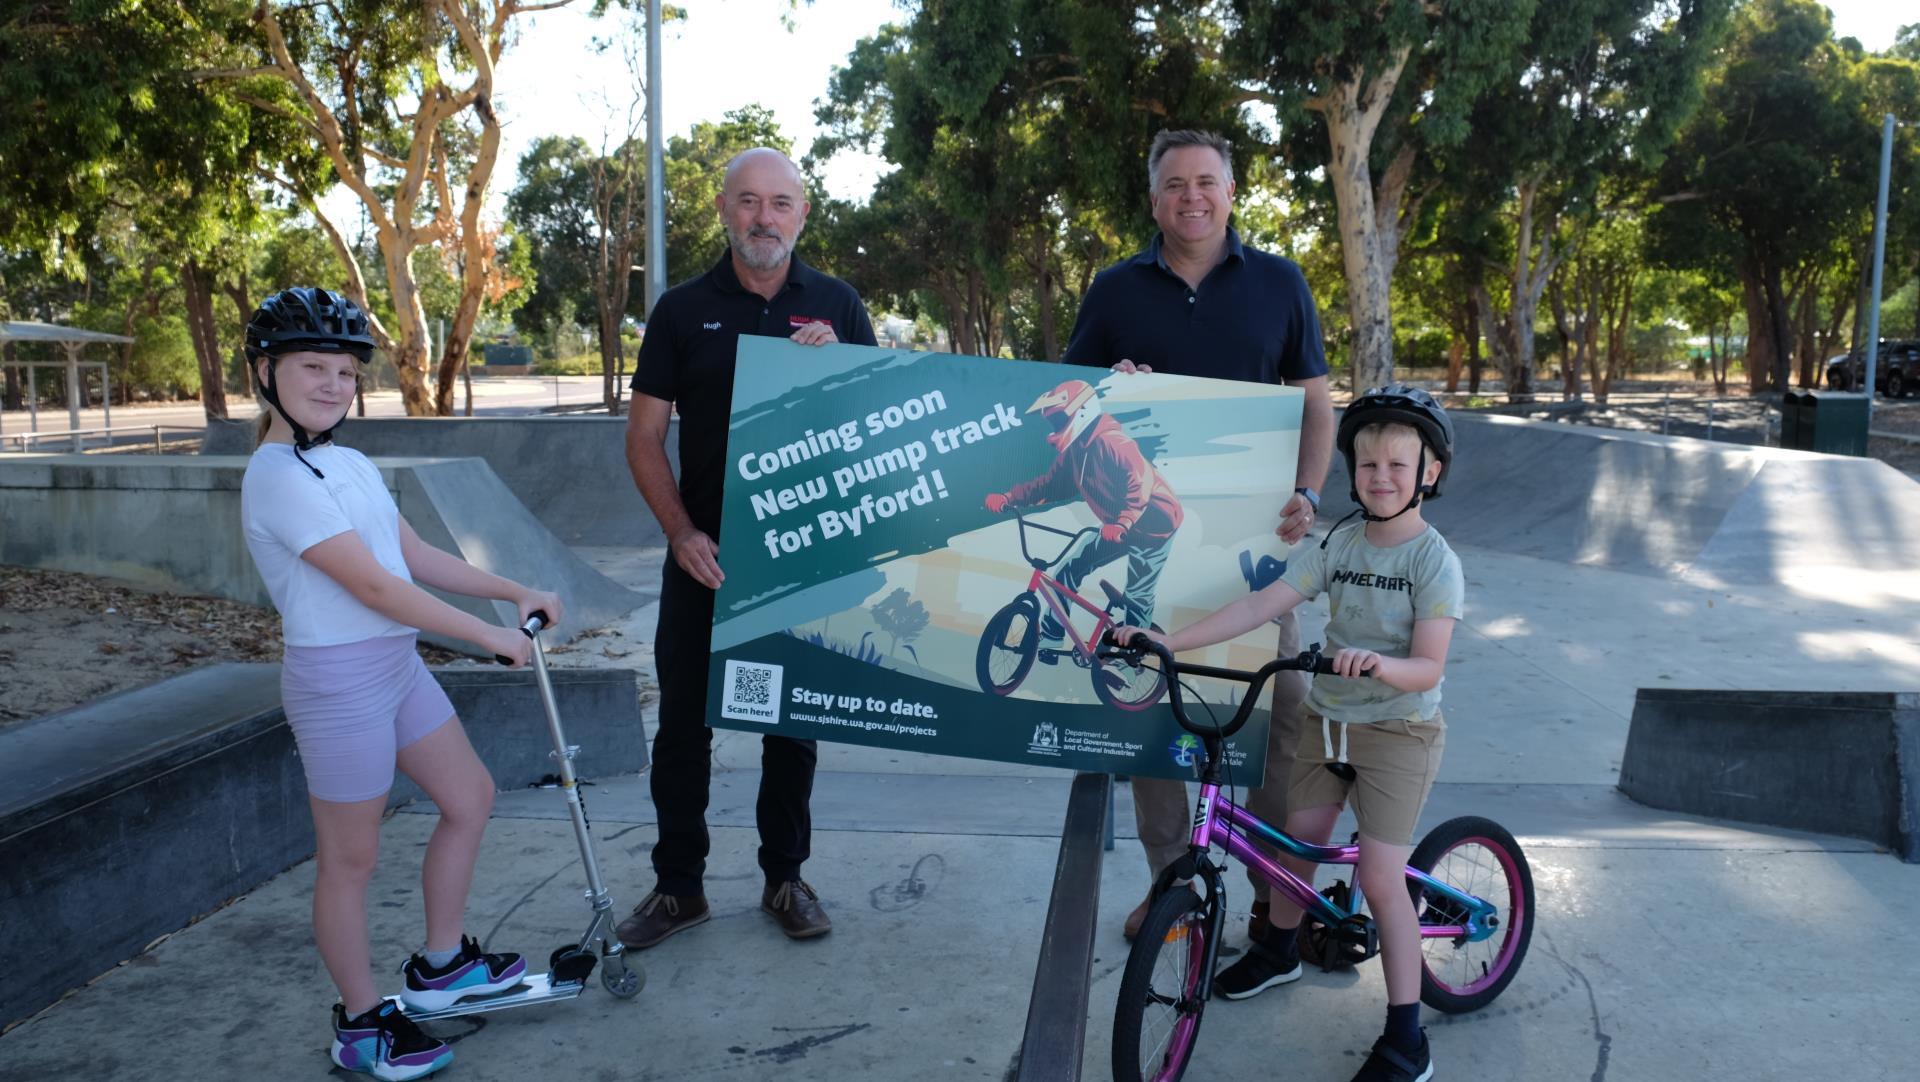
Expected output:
(1157, 1017)
(1479, 857)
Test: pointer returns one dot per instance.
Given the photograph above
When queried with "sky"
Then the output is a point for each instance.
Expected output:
(730, 53)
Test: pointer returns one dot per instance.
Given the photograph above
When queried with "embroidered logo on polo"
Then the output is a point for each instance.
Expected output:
(713, 326)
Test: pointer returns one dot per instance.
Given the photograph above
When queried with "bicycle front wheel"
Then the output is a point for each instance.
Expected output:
(1158, 1015)
(1479, 857)
(1008, 646)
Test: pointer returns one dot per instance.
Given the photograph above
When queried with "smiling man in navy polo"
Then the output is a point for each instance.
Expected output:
(1198, 302)
(686, 359)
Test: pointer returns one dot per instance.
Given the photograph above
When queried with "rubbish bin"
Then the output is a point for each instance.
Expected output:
(1792, 409)
(1830, 422)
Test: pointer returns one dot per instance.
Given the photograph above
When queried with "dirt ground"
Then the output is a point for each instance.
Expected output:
(65, 638)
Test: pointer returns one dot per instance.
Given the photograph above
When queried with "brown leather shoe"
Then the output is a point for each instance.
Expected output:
(797, 907)
(659, 916)
(1137, 917)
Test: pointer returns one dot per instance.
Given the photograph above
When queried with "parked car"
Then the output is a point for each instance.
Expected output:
(1895, 374)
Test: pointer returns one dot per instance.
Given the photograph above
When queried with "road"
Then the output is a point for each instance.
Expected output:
(492, 395)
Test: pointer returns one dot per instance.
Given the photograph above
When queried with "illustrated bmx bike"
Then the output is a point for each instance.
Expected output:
(1011, 642)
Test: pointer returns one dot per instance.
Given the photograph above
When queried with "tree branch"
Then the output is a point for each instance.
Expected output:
(327, 125)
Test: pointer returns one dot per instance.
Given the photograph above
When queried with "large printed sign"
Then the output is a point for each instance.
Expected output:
(921, 550)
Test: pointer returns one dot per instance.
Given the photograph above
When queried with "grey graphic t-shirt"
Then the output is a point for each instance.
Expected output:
(1374, 595)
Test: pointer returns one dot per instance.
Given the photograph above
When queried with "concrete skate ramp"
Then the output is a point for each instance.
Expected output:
(1665, 505)
(571, 472)
(173, 523)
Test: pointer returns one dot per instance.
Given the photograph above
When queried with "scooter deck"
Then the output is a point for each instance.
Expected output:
(537, 988)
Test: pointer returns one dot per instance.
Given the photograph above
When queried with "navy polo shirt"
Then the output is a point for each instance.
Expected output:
(1252, 318)
(687, 358)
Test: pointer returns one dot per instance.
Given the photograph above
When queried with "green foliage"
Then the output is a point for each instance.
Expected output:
(552, 208)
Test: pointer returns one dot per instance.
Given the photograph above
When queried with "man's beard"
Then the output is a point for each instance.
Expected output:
(760, 257)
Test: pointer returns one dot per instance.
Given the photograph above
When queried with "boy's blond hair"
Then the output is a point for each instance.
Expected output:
(1381, 432)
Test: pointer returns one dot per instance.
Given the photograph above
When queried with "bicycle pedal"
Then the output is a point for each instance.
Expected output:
(1050, 656)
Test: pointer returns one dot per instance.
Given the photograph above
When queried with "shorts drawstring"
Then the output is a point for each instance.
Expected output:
(1326, 738)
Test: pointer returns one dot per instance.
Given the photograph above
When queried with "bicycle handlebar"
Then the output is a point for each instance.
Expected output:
(1308, 660)
(1072, 536)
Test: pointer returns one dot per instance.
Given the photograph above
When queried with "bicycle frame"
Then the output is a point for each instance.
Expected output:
(1055, 590)
(1230, 826)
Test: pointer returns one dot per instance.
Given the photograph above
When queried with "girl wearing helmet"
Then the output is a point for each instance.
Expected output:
(341, 565)
(1375, 732)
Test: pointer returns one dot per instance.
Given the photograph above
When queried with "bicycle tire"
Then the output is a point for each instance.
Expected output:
(1020, 618)
(1503, 878)
(1112, 696)
(1175, 929)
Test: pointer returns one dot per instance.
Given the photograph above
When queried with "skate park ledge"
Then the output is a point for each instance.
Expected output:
(131, 816)
(1829, 762)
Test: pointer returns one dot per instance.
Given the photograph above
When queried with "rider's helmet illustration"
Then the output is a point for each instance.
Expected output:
(1068, 409)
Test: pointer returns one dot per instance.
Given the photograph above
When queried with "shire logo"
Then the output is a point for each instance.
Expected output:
(1184, 749)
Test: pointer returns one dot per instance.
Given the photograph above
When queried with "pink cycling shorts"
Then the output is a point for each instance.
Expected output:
(352, 708)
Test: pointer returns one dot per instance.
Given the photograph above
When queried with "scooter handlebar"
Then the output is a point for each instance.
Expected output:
(536, 620)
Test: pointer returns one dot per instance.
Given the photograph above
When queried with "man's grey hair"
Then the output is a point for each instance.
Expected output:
(1174, 139)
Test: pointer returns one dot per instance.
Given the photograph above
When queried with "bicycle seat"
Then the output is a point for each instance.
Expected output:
(1114, 596)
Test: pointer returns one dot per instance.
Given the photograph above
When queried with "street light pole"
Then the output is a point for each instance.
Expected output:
(656, 259)
(1872, 344)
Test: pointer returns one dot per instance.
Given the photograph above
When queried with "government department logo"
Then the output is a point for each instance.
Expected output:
(1184, 749)
(1046, 740)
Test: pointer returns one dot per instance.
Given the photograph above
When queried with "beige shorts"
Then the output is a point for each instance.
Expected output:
(1394, 764)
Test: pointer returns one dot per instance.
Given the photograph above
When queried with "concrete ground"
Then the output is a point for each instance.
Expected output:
(1667, 947)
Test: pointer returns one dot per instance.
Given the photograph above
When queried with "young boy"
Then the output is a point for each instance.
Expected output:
(1394, 590)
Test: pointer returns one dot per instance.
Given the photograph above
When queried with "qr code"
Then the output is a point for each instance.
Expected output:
(752, 692)
(753, 685)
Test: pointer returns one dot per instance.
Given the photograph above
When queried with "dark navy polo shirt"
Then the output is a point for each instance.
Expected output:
(1252, 318)
(687, 358)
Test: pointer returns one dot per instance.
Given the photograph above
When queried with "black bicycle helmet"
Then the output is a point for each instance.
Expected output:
(306, 318)
(1399, 403)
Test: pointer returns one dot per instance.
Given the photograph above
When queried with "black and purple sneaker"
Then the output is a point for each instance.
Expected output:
(386, 1044)
(471, 973)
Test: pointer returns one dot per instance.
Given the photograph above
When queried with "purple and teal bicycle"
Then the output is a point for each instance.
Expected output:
(1468, 878)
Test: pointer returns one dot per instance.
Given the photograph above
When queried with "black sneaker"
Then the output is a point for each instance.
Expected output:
(471, 973)
(1254, 972)
(386, 1044)
(1388, 1064)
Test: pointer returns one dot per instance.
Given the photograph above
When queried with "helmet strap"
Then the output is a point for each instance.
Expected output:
(301, 440)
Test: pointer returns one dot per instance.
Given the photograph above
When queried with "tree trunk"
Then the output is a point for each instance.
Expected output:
(1369, 271)
(1780, 324)
(1473, 345)
(1572, 337)
(197, 285)
(1759, 355)
(1808, 327)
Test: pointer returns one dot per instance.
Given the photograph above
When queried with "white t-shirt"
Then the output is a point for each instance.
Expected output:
(286, 510)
